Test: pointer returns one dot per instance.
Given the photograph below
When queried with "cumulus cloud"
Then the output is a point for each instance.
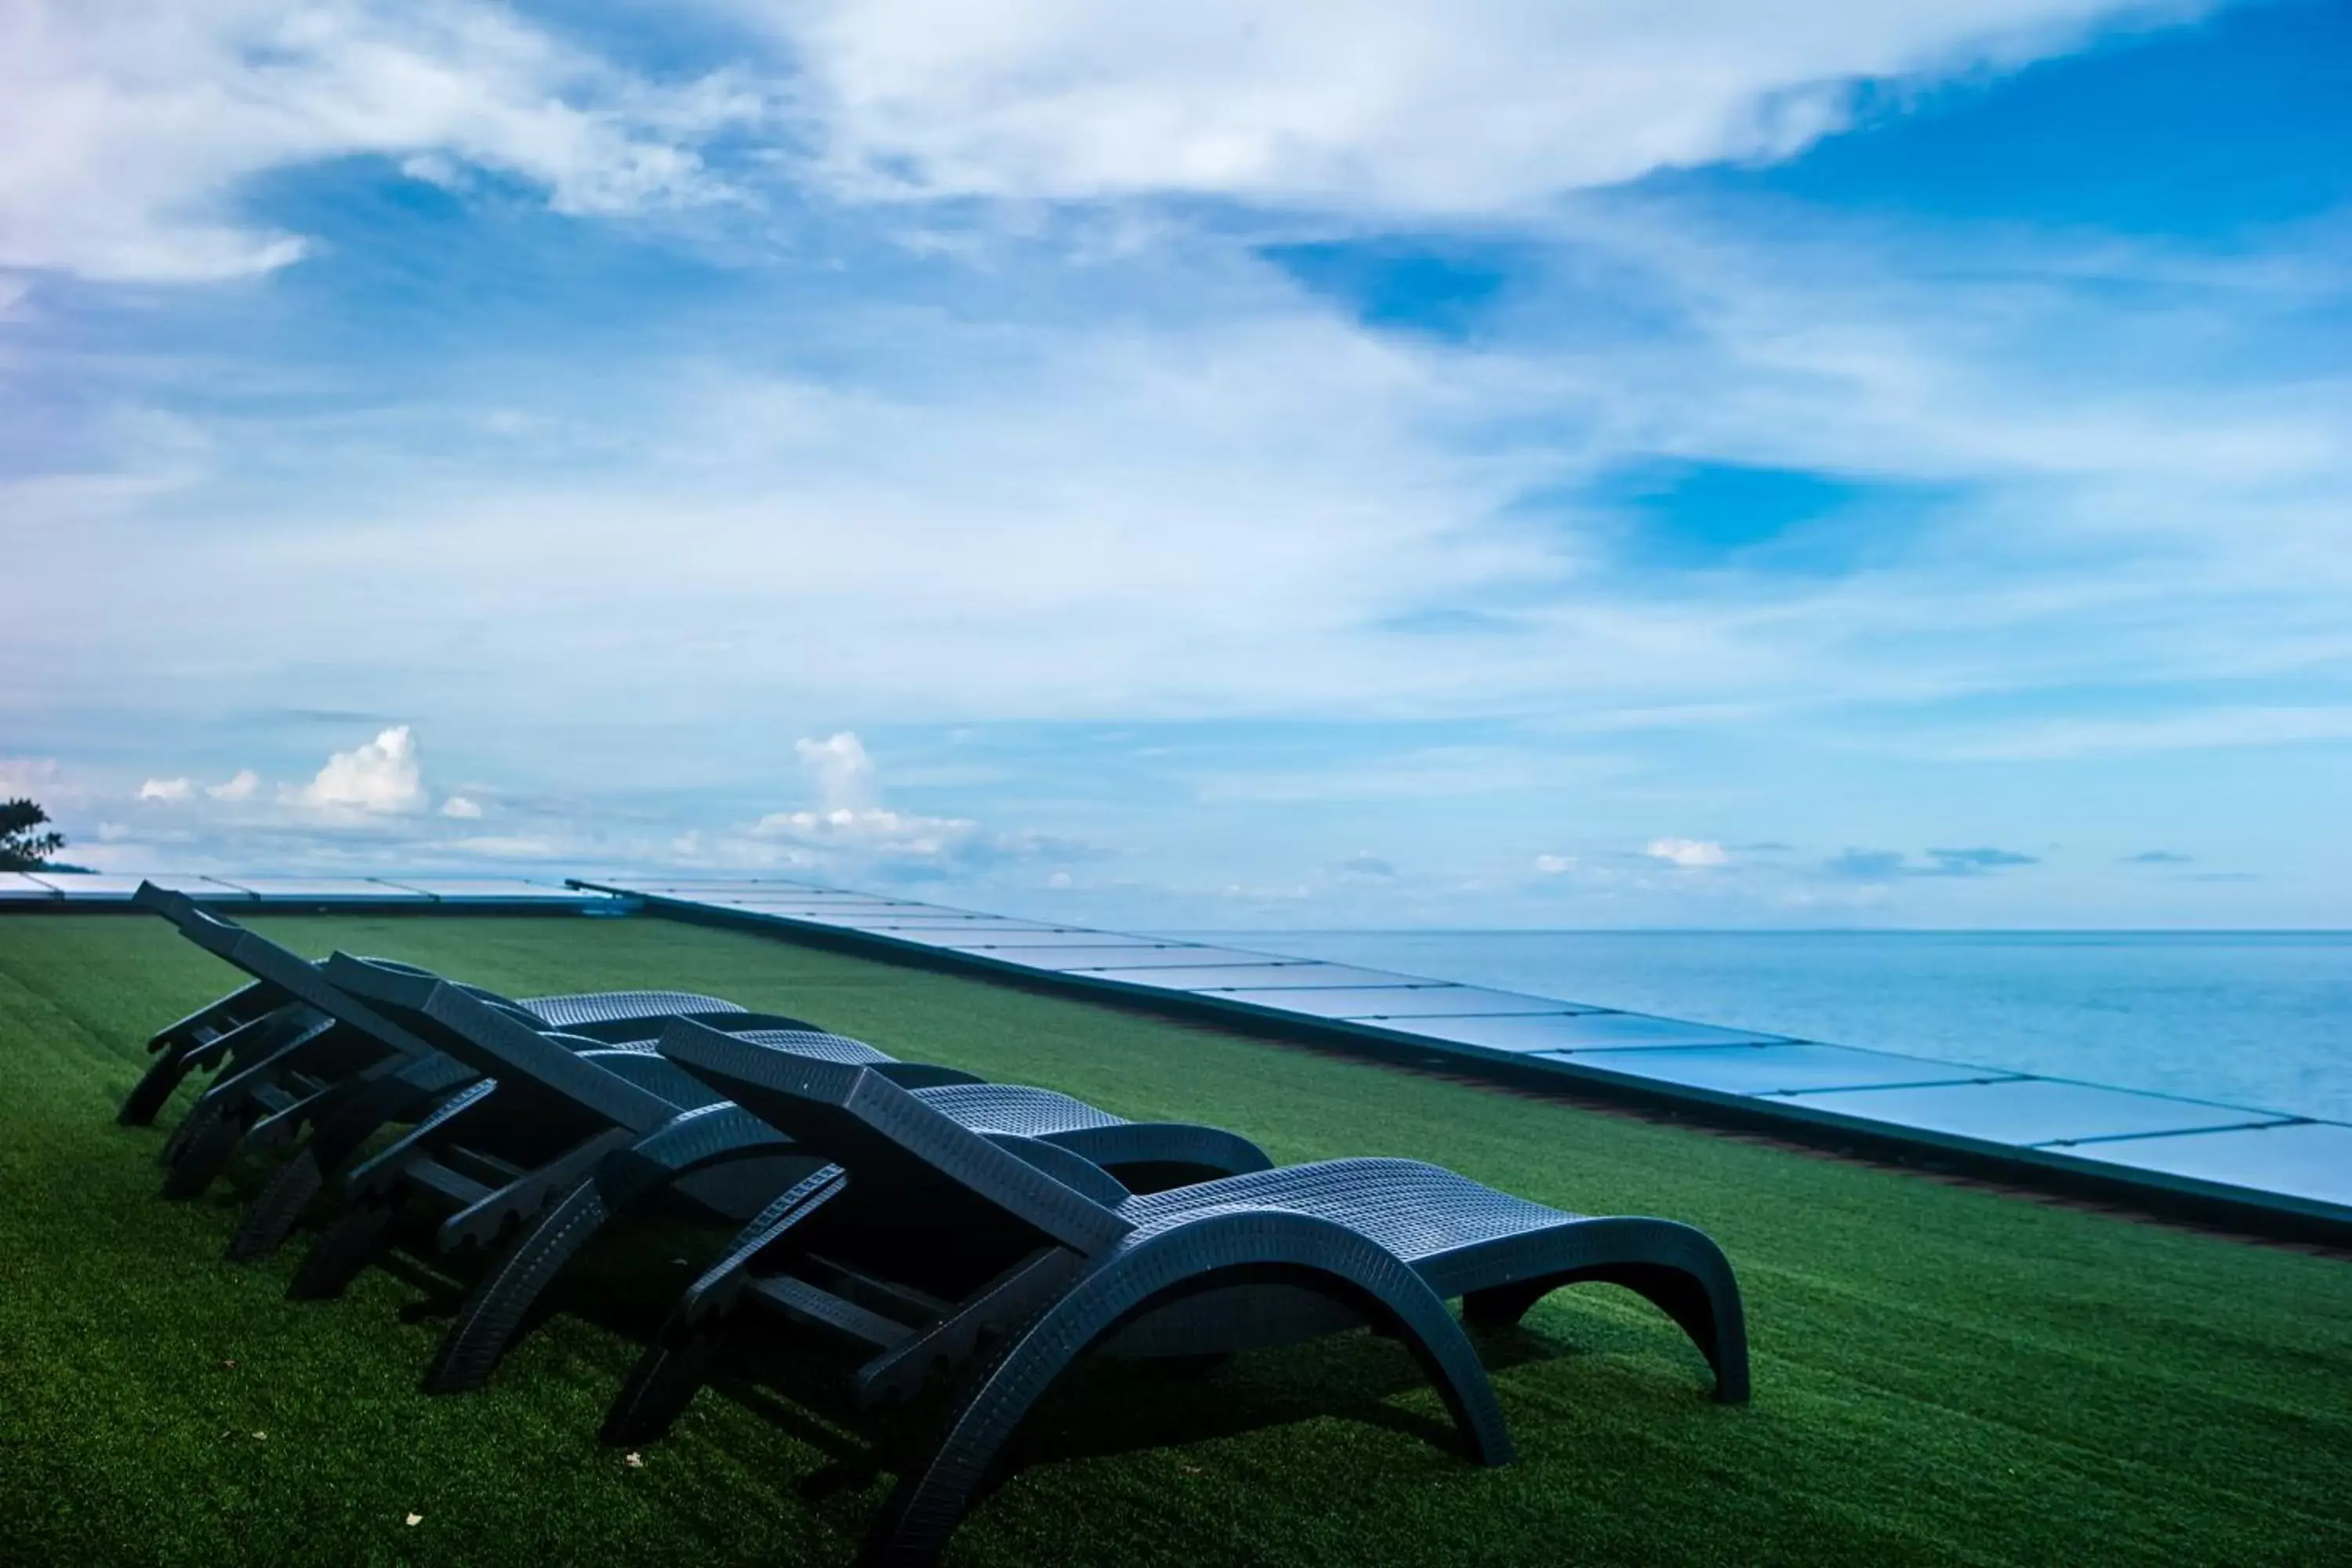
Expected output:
(1555, 864)
(1690, 854)
(131, 126)
(241, 787)
(1476, 106)
(461, 807)
(1363, 863)
(383, 776)
(848, 817)
(170, 790)
(843, 773)
(849, 828)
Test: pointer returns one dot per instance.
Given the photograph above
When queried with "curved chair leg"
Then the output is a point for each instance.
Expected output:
(664, 1380)
(1678, 1269)
(662, 1384)
(272, 1215)
(342, 1249)
(178, 1049)
(494, 1313)
(154, 1087)
(199, 1156)
(1329, 1258)
(270, 1218)
(194, 1154)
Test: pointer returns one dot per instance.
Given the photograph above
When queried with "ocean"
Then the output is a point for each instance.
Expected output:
(2259, 1019)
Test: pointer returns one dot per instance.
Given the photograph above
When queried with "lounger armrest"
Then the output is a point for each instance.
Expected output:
(1075, 1170)
(852, 1115)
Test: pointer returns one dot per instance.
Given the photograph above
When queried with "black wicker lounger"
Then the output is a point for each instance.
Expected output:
(277, 1009)
(1137, 1155)
(1048, 1263)
(327, 1058)
(609, 1128)
(538, 1113)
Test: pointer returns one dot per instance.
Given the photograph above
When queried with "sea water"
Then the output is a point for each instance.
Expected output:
(2259, 1019)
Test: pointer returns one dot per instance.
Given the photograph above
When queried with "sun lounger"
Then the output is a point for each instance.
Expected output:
(585, 1147)
(323, 1058)
(924, 1242)
(279, 1008)
(1135, 1155)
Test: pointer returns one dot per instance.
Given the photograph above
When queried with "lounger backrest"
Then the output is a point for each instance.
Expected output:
(495, 1043)
(880, 1133)
(616, 1031)
(276, 966)
(821, 1043)
(220, 935)
(594, 1007)
(198, 924)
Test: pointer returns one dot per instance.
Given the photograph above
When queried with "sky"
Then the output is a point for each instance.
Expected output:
(1236, 463)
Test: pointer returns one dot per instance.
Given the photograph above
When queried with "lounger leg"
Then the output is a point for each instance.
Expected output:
(163, 1076)
(494, 1313)
(211, 1138)
(1677, 1269)
(242, 1098)
(180, 1046)
(676, 1364)
(664, 1381)
(930, 1499)
(272, 1216)
(343, 1249)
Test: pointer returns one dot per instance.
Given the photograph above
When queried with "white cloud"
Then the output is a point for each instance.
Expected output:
(461, 807)
(1690, 854)
(167, 789)
(873, 831)
(135, 128)
(1555, 864)
(130, 127)
(382, 776)
(1194, 490)
(240, 787)
(849, 820)
(849, 830)
(1469, 106)
(843, 771)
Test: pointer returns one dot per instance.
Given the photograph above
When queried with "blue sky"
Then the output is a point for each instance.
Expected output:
(1225, 465)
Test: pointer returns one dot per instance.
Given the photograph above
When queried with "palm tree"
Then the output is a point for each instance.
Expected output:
(23, 846)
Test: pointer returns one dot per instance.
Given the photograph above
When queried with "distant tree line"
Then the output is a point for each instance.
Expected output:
(26, 843)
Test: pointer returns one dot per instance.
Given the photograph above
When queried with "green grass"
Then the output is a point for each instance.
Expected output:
(1943, 1374)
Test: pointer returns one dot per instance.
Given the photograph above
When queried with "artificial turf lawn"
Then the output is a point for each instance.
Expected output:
(1942, 1374)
